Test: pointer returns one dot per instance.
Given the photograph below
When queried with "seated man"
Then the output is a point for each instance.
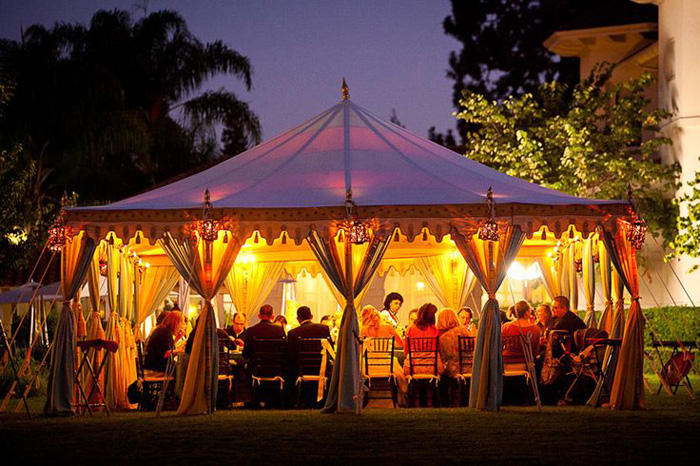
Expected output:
(263, 329)
(237, 331)
(306, 329)
(564, 318)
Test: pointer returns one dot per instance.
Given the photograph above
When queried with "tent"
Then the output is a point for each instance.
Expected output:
(301, 195)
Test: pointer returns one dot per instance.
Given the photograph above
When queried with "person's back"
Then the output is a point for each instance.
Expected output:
(569, 322)
(159, 342)
(263, 329)
(424, 327)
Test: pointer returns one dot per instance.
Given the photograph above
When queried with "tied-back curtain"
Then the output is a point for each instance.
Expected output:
(249, 284)
(113, 265)
(549, 276)
(589, 281)
(618, 294)
(126, 286)
(606, 319)
(345, 388)
(205, 266)
(563, 274)
(490, 262)
(448, 278)
(115, 368)
(153, 284)
(573, 276)
(94, 283)
(628, 384)
(183, 296)
(75, 260)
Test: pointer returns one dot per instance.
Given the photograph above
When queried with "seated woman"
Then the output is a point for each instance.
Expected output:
(466, 317)
(160, 342)
(373, 327)
(522, 324)
(424, 326)
(450, 328)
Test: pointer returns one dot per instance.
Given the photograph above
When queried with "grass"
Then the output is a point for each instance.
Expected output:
(666, 432)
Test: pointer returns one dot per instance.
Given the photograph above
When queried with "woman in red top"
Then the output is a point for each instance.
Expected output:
(424, 326)
(522, 324)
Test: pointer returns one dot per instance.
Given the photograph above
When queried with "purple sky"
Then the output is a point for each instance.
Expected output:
(392, 53)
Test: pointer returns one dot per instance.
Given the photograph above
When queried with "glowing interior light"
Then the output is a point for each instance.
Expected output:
(420, 285)
(518, 272)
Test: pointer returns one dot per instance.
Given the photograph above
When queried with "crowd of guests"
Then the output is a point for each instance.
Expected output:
(445, 326)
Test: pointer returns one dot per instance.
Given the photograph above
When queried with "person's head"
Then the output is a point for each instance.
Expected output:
(175, 307)
(161, 316)
(465, 316)
(560, 306)
(173, 321)
(281, 321)
(370, 317)
(522, 310)
(393, 302)
(544, 314)
(239, 322)
(304, 314)
(266, 312)
(412, 315)
(326, 320)
(426, 316)
(446, 320)
(510, 313)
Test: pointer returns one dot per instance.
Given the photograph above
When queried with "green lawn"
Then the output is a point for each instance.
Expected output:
(667, 431)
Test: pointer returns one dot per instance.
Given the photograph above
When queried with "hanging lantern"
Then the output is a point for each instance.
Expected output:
(636, 233)
(488, 230)
(103, 267)
(356, 230)
(637, 229)
(208, 228)
(578, 263)
(57, 234)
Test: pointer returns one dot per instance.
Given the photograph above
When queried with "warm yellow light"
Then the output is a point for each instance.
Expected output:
(246, 258)
(147, 265)
(420, 285)
(518, 272)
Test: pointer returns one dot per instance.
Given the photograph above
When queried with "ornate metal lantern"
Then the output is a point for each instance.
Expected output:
(57, 234)
(355, 229)
(208, 228)
(488, 230)
(637, 229)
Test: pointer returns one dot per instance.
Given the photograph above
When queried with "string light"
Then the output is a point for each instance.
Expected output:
(488, 231)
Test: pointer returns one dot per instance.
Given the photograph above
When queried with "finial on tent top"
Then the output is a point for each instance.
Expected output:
(345, 90)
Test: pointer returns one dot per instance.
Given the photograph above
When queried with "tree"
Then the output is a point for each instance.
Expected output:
(111, 108)
(502, 52)
(589, 144)
(23, 218)
(687, 241)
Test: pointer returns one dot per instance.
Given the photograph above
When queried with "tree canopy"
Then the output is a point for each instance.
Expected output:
(586, 141)
(502, 52)
(106, 110)
(113, 107)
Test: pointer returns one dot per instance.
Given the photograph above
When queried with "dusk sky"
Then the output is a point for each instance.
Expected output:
(392, 53)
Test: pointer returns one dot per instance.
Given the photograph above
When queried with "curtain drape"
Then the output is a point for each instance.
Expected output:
(153, 285)
(94, 282)
(205, 266)
(75, 260)
(606, 318)
(344, 389)
(126, 286)
(563, 268)
(489, 261)
(113, 265)
(250, 283)
(115, 370)
(549, 276)
(573, 275)
(589, 281)
(448, 278)
(628, 384)
(183, 296)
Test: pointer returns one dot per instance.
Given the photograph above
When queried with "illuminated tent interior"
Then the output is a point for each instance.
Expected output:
(301, 199)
